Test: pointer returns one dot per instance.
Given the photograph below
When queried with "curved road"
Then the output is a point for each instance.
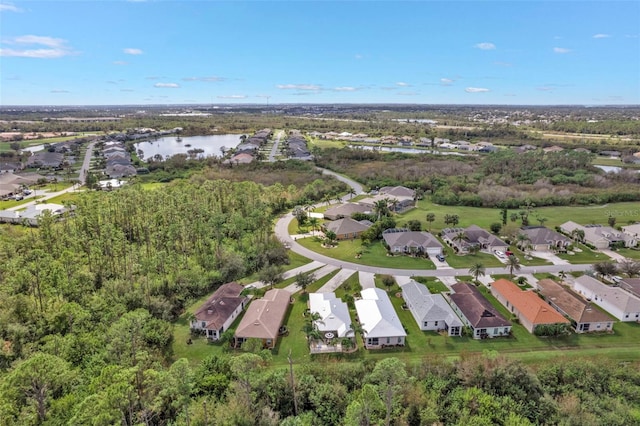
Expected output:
(282, 232)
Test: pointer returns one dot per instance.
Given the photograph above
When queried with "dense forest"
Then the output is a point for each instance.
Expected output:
(501, 179)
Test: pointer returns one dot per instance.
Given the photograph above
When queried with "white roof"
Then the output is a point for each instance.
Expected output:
(616, 296)
(334, 313)
(377, 315)
(428, 307)
(35, 210)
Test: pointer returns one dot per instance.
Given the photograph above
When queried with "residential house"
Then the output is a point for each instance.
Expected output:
(632, 285)
(264, 317)
(545, 239)
(599, 236)
(397, 191)
(585, 318)
(31, 215)
(46, 159)
(473, 236)
(347, 228)
(411, 242)
(431, 311)
(530, 309)
(632, 230)
(345, 210)
(117, 171)
(395, 203)
(334, 321)
(379, 320)
(240, 158)
(221, 309)
(477, 312)
(612, 154)
(554, 148)
(10, 167)
(618, 302)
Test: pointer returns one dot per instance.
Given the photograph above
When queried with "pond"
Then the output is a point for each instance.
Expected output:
(404, 150)
(171, 145)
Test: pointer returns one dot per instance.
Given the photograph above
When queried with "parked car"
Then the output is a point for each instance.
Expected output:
(499, 254)
(18, 197)
(440, 257)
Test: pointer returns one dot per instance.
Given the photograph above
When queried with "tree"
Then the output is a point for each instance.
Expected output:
(503, 216)
(496, 227)
(513, 264)
(611, 221)
(314, 222)
(431, 217)
(304, 279)
(629, 268)
(381, 208)
(331, 237)
(390, 378)
(605, 268)
(523, 241)
(414, 225)
(352, 192)
(270, 275)
(477, 270)
(388, 281)
(460, 237)
(513, 217)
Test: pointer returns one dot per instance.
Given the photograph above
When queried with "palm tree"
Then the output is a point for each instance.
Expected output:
(352, 192)
(523, 242)
(477, 269)
(314, 222)
(381, 208)
(460, 237)
(562, 275)
(430, 218)
(513, 264)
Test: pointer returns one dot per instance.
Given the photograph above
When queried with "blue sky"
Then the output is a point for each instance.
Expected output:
(426, 52)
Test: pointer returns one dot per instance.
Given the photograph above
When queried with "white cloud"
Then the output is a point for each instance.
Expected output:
(345, 89)
(313, 87)
(232, 97)
(561, 50)
(132, 51)
(601, 36)
(166, 85)
(485, 46)
(548, 88)
(8, 7)
(476, 90)
(57, 47)
(402, 84)
(446, 81)
(209, 79)
(120, 63)
(59, 91)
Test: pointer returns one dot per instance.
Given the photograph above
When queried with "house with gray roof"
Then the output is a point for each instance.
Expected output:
(347, 228)
(431, 311)
(618, 302)
(397, 191)
(221, 309)
(402, 240)
(345, 210)
(477, 312)
(473, 236)
(379, 320)
(599, 236)
(545, 239)
(632, 285)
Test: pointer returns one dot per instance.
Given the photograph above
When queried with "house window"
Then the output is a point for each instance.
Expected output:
(506, 330)
(426, 323)
(436, 323)
(388, 340)
(373, 341)
(626, 316)
(203, 324)
(269, 342)
(399, 339)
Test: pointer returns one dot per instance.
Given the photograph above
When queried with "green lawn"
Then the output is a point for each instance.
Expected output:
(630, 253)
(374, 255)
(433, 284)
(586, 255)
(467, 260)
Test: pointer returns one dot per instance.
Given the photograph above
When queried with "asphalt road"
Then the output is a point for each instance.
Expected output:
(282, 232)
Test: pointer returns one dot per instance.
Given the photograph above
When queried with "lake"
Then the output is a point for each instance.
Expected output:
(168, 146)
(404, 150)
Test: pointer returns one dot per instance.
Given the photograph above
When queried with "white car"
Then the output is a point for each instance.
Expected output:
(499, 254)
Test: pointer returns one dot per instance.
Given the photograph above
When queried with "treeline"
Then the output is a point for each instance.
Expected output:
(119, 386)
(600, 127)
(502, 179)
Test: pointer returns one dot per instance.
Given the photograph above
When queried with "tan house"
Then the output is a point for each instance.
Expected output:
(264, 317)
(216, 315)
(585, 318)
(530, 309)
(345, 210)
(347, 228)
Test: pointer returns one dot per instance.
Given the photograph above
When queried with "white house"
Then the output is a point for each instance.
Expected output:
(431, 311)
(379, 320)
(334, 321)
(618, 302)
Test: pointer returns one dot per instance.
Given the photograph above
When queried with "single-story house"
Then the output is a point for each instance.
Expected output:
(10, 167)
(632, 285)
(431, 311)
(345, 210)
(554, 148)
(216, 315)
(632, 231)
(397, 191)
(544, 239)
(415, 242)
(477, 312)
(46, 159)
(585, 318)
(334, 321)
(473, 236)
(119, 170)
(347, 228)
(599, 236)
(530, 309)
(379, 320)
(264, 317)
(618, 302)
(396, 203)
(31, 215)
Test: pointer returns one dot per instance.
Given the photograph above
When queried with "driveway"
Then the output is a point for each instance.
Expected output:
(551, 257)
(613, 255)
